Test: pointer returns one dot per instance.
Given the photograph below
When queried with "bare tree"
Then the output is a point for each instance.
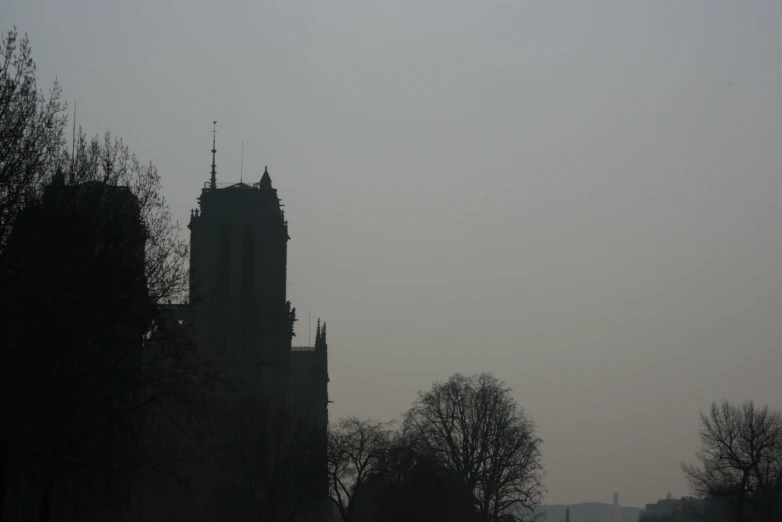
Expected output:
(740, 460)
(90, 258)
(416, 487)
(276, 454)
(476, 430)
(96, 351)
(356, 452)
(31, 129)
(107, 163)
(31, 137)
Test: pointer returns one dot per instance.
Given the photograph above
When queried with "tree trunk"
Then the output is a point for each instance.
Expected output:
(47, 495)
(273, 515)
(6, 442)
(740, 508)
(4, 461)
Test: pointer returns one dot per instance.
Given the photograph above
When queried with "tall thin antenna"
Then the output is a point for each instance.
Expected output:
(213, 185)
(73, 136)
(241, 165)
(309, 327)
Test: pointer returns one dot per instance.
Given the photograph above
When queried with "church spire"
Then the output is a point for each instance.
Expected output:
(266, 180)
(213, 184)
(320, 336)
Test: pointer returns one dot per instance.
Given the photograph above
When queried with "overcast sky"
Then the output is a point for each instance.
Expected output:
(584, 198)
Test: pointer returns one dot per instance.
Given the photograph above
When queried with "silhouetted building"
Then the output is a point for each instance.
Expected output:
(590, 512)
(684, 508)
(238, 313)
(238, 302)
(58, 254)
(241, 317)
(664, 506)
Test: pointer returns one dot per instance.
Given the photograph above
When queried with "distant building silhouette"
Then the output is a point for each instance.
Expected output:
(241, 317)
(238, 302)
(591, 512)
(686, 508)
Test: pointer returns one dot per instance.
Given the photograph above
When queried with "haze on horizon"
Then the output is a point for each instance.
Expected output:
(583, 198)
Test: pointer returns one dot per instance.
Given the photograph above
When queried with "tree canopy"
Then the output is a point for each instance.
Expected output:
(91, 354)
(739, 463)
(476, 430)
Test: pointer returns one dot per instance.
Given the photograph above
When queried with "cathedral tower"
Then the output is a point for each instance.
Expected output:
(243, 320)
(238, 251)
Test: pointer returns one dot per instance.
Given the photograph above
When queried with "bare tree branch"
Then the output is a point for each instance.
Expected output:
(357, 449)
(477, 431)
(276, 456)
(740, 460)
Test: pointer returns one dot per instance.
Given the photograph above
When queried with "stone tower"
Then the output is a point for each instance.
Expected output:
(242, 319)
(238, 242)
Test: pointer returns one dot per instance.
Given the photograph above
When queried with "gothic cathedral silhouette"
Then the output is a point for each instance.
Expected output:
(238, 304)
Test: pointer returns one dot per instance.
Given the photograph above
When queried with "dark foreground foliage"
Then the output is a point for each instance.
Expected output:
(92, 357)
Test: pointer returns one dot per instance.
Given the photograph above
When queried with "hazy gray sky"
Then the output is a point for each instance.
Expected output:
(584, 198)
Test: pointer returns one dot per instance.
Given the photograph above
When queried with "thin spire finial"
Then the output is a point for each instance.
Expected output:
(73, 137)
(241, 166)
(213, 185)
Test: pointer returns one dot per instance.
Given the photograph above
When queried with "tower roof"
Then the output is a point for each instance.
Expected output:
(266, 180)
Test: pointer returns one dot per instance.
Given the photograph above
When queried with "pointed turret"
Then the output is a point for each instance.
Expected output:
(320, 337)
(266, 180)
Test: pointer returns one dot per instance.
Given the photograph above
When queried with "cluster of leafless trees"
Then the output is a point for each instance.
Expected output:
(278, 456)
(465, 451)
(739, 465)
(90, 353)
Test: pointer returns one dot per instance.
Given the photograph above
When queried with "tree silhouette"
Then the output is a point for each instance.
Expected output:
(31, 138)
(91, 353)
(417, 488)
(740, 460)
(477, 431)
(276, 456)
(357, 450)
(31, 130)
